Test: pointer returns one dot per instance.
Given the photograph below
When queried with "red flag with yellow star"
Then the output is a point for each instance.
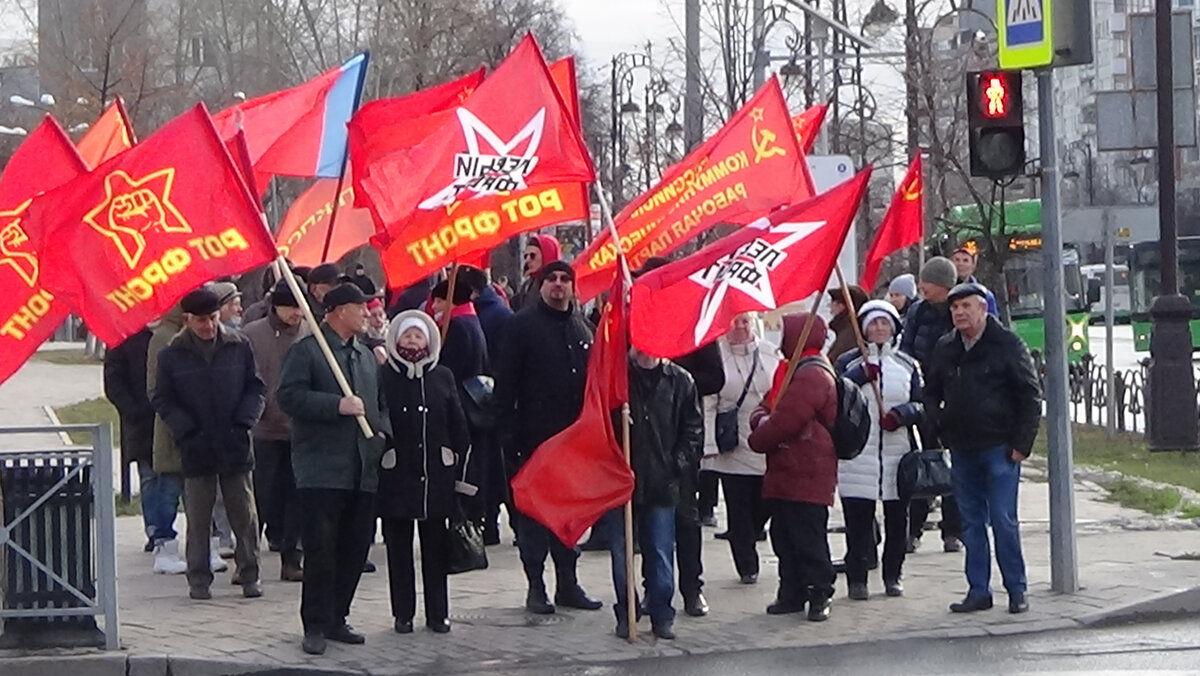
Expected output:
(123, 243)
(29, 314)
(808, 124)
(902, 225)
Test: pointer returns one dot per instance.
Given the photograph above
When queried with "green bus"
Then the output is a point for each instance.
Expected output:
(1145, 282)
(1024, 271)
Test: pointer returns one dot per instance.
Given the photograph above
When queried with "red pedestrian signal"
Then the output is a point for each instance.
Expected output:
(997, 125)
(996, 97)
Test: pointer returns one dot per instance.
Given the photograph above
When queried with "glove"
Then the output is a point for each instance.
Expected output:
(872, 371)
(890, 422)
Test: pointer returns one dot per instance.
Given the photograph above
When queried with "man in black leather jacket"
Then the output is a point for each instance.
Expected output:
(983, 398)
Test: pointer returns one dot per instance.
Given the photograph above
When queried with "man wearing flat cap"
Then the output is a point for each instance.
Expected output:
(336, 466)
(209, 394)
(983, 400)
(321, 280)
(539, 392)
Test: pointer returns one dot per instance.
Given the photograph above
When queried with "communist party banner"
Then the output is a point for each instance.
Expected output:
(431, 239)
(111, 135)
(807, 126)
(901, 227)
(124, 242)
(751, 166)
(785, 257)
(302, 234)
(29, 314)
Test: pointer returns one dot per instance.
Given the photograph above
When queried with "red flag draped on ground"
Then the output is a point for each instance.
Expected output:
(29, 314)
(753, 165)
(807, 126)
(682, 306)
(299, 131)
(110, 135)
(579, 474)
(902, 225)
(123, 243)
(301, 236)
(513, 132)
(429, 240)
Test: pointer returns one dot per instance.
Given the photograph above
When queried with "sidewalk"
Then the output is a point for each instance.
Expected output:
(1121, 556)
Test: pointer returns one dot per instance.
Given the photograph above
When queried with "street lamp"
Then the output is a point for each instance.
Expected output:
(623, 66)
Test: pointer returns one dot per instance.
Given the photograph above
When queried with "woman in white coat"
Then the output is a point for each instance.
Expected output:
(871, 477)
(750, 366)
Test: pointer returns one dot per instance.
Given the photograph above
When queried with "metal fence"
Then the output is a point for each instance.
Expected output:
(57, 544)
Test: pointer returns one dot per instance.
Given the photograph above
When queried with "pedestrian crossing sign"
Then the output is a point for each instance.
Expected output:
(1025, 33)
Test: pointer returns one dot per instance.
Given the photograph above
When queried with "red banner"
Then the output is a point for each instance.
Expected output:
(680, 307)
(123, 243)
(111, 135)
(29, 313)
(901, 227)
(753, 165)
(302, 234)
(807, 126)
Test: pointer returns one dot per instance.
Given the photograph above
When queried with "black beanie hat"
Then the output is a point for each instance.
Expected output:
(282, 295)
(555, 266)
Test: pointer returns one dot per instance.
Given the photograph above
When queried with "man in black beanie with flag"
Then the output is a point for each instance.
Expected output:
(539, 392)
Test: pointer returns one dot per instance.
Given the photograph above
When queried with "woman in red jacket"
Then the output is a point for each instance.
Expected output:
(801, 472)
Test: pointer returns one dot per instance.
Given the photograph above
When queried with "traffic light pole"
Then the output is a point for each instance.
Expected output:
(1064, 568)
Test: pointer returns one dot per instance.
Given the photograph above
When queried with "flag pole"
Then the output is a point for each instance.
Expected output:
(794, 359)
(858, 334)
(630, 585)
(445, 323)
(337, 199)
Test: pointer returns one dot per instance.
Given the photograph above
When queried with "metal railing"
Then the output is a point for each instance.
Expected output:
(58, 543)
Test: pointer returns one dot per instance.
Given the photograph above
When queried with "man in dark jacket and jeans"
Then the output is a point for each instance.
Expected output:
(208, 392)
(983, 398)
(125, 387)
(539, 392)
(274, 481)
(336, 466)
(666, 441)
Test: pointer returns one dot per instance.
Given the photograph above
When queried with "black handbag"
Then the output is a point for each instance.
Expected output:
(924, 474)
(727, 421)
(467, 552)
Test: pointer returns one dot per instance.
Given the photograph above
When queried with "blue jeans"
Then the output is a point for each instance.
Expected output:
(656, 535)
(985, 485)
(160, 502)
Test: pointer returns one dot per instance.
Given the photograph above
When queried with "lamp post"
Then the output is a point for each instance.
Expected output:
(623, 66)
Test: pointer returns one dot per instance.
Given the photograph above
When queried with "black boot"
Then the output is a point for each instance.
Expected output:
(819, 603)
(536, 600)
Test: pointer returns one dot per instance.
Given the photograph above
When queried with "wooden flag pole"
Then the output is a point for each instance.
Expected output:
(794, 359)
(858, 335)
(445, 323)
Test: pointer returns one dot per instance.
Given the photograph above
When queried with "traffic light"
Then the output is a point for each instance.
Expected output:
(997, 123)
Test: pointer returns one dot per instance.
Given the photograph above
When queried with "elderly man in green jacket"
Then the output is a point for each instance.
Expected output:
(336, 466)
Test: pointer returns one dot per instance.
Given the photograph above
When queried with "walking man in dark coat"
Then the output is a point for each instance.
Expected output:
(125, 387)
(336, 466)
(539, 392)
(208, 392)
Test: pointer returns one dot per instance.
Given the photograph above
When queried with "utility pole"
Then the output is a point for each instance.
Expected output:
(1064, 569)
(693, 104)
(758, 40)
(912, 57)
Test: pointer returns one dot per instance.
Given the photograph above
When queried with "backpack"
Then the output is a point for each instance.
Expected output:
(852, 426)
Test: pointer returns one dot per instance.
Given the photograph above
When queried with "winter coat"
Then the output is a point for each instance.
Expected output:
(466, 351)
(494, 316)
(256, 311)
(844, 339)
(738, 361)
(270, 338)
(540, 378)
(794, 435)
(431, 454)
(125, 387)
(983, 397)
(329, 449)
(705, 367)
(924, 325)
(666, 432)
(872, 475)
(166, 452)
(210, 401)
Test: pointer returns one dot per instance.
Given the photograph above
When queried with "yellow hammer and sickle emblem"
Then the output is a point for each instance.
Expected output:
(912, 191)
(762, 139)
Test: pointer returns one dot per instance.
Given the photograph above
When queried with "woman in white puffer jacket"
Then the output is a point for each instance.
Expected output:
(871, 477)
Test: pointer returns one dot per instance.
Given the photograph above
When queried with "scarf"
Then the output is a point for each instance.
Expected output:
(781, 373)
(412, 356)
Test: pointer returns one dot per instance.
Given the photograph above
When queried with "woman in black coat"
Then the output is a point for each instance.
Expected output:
(420, 477)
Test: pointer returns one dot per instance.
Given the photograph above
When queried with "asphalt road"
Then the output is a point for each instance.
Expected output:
(1168, 647)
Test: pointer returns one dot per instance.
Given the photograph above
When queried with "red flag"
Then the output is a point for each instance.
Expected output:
(111, 135)
(123, 243)
(256, 182)
(430, 240)
(577, 475)
(302, 234)
(29, 314)
(680, 307)
(751, 166)
(807, 126)
(902, 225)
(513, 132)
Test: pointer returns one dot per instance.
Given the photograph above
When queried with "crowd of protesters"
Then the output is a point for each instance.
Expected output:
(236, 414)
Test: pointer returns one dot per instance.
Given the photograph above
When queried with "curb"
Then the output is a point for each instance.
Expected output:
(53, 417)
(1173, 605)
(116, 664)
